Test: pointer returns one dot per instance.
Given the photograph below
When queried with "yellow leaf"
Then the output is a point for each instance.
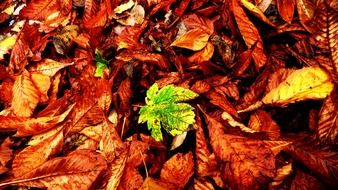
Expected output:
(204, 55)
(195, 39)
(123, 7)
(150, 183)
(310, 83)
(6, 44)
(257, 12)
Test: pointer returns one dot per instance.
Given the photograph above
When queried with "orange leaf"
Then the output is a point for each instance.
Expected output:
(117, 167)
(33, 156)
(244, 157)
(327, 130)
(256, 11)
(204, 55)
(286, 9)
(31, 126)
(78, 170)
(250, 34)
(178, 169)
(195, 39)
(194, 21)
(111, 143)
(49, 67)
(5, 152)
(261, 121)
(39, 9)
(145, 56)
(25, 95)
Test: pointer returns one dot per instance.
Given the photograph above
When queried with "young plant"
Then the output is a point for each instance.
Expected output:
(165, 107)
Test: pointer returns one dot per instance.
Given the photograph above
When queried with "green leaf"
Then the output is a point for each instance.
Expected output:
(101, 64)
(165, 107)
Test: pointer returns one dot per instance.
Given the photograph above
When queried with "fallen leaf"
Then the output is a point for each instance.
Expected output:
(286, 9)
(34, 156)
(281, 175)
(150, 184)
(26, 95)
(327, 127)
(204, 55)
(256, 11)
(250, 34)
(124, 6)
(6, 44)
(49, 67)
(78, 170)
(310, 83)
(195, 39)
(6, 154)
(178, 141)
(262, 121)
(178, 169)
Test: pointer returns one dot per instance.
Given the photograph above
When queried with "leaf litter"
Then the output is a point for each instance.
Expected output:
(167, 94)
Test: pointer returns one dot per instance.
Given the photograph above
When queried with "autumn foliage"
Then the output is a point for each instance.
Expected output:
(168, 94)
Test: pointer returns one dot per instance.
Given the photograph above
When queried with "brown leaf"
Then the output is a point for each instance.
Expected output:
(204, 55)
(262, 121)
(150, 184)
(203, 184)
(26, 93)
(325, 34)
(78, 170)
(222, 102)
(21, 50)
(320, 161)
(327, 128)
(286, 9)
(256, 11)
(131, 179)
(250, 34)
(145, 56)
(245, 168)
(34, 156)
(117, 167)
(282, 174)
(304, 181)
(49, 67)
(111, 144)
(194, 39)
(306, 11)
(193, 21)
(310, 83)
(178, 169)
(31, 126)
(39, 9)
(5, 152)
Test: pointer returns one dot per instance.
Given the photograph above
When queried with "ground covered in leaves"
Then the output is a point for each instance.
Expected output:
(168, 94)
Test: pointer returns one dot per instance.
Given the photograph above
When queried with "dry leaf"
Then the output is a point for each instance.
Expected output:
(286, 9)
(310, 83)
(178, 169)
(327, 127)
(204, 55)
(150, 184)
(49, 67)
(78, 170)
(282, 174)
(194, 39)
(6, 154)
(250, 34)
(262, 121)
(123, 7)
(34, 156)
(256, 11)
(26, 95)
